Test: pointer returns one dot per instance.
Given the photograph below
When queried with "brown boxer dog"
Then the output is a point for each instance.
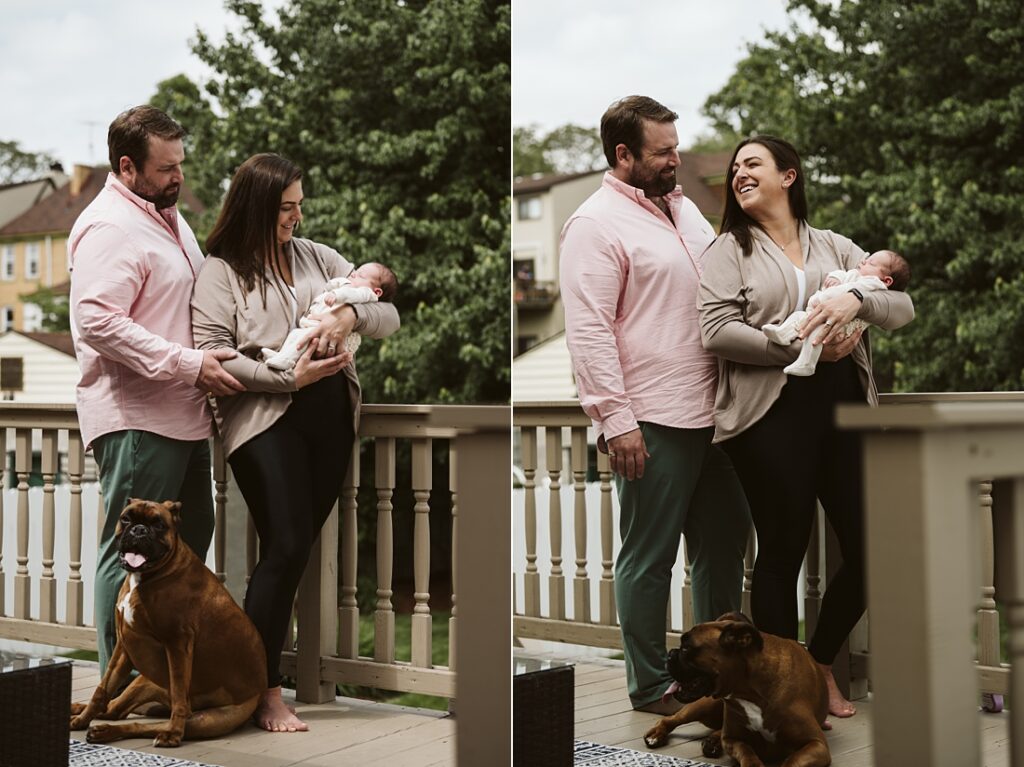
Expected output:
(764, 696)
(197, 653)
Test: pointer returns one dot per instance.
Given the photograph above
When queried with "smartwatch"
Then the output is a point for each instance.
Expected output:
(860, 296)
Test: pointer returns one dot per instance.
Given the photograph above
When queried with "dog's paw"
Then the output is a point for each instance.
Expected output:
(77, 708)
(101, 733)
(656, 737)
(711, 746)
(167, 740)
(78, 722)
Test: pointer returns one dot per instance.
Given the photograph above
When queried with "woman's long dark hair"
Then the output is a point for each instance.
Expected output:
(245, 234)
(734, 219)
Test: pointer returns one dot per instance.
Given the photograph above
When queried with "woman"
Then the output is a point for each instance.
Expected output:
(779, 430)
(289, 437)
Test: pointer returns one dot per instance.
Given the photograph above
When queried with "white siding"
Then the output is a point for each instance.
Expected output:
(50, 375)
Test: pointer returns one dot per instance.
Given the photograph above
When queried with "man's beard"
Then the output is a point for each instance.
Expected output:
(161, 198)
(653, 184)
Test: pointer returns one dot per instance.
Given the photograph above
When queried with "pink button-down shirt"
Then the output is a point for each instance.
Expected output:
(629, 280)
(133, 269)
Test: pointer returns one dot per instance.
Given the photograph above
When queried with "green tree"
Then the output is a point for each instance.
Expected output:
(55, 308)
(17, 164)
(910, 117)
(566, 149)
(398, 112)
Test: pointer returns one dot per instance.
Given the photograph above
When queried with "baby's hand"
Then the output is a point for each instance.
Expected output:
(329, 299)
(830, 282)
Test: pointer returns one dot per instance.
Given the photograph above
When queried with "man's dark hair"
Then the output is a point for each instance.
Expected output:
(623, 123)
(128, 136)
(899, 270)
(735, 219)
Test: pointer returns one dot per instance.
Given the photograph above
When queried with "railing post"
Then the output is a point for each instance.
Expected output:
(76, 467)
(47, 581)
(988, 618)
(348, 613)
(421, 619)
(812, 592)
(531, 578)
(606, 588)
(581, 582)
(688, 615)
(1015, 621)
(317, 608)
(556, 579)
(220, 497)
(22, 467)
(453, 484)
(749, 557)
(384, 616)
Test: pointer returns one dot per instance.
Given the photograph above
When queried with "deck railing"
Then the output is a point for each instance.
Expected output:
(556, 451)
(327, 625)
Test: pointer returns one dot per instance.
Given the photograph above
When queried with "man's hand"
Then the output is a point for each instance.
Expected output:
(628, 453)
(213, 378)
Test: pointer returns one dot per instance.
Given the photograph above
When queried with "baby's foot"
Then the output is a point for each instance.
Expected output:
(799, 369)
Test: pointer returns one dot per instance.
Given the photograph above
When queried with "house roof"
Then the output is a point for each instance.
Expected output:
(541, 183)
(16, 198)
(58, 211)
(62, 342)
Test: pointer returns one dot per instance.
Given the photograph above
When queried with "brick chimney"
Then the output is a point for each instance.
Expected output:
(79, 176)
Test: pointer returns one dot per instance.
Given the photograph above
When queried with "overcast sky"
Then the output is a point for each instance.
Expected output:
(70, 66)
(572, 58)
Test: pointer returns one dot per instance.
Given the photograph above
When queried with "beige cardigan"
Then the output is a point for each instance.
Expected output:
(738, 294)
(226, 316)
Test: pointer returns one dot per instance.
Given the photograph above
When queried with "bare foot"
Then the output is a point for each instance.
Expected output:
(837, 704)
(273, 715)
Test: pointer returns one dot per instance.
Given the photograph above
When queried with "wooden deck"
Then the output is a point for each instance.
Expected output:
(345, 732)
(603, 715)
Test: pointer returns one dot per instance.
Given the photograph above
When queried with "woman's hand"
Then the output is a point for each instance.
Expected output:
(329, 335)
(309, 370)
(833, 313)
(839, 348)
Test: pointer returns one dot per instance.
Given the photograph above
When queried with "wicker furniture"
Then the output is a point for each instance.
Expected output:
(35, 710)
(542, 713)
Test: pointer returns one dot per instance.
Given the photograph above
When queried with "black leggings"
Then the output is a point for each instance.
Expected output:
(290, 477)
(792, 456)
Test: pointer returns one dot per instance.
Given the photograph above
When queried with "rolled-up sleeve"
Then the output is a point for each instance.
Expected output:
(592, 272)
(720, 303)
(103, 292)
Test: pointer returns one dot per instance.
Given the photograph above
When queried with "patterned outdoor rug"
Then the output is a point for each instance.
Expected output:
(91, 755)
(586, 754)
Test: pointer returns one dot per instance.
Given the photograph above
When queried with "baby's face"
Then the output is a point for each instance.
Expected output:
(878, 265)
(366, 276)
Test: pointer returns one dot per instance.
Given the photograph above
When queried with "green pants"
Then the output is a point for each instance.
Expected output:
(140, 464)
(689, 487)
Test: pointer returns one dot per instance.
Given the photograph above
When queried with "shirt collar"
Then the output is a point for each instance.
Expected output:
(116, 185)
(636, 193)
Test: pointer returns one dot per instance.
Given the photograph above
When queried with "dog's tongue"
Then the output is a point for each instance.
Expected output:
(672, 689)
(134, 560)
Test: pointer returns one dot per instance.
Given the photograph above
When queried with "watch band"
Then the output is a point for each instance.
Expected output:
(860, 296)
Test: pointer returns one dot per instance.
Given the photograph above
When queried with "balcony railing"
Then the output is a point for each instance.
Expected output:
(48, 605)
(566, 541)
(535, 294)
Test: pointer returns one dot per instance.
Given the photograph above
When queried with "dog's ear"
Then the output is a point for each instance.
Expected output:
(741, 636)
(131, 501)
(175, 508)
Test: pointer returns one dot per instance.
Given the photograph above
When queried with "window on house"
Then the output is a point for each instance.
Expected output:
(7, 262)
(12, 374)
(7, 319)
(31, 261)
(529, 208)
(32, 318)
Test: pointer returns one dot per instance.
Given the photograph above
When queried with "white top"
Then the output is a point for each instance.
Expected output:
(801, 283)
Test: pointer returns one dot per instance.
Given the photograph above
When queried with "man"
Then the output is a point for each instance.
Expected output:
(630, 266)
(142, 395)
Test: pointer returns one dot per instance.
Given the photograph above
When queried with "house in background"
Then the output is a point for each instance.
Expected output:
(542, 204)
(34, 244)
(18, 197)
(37, 367)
